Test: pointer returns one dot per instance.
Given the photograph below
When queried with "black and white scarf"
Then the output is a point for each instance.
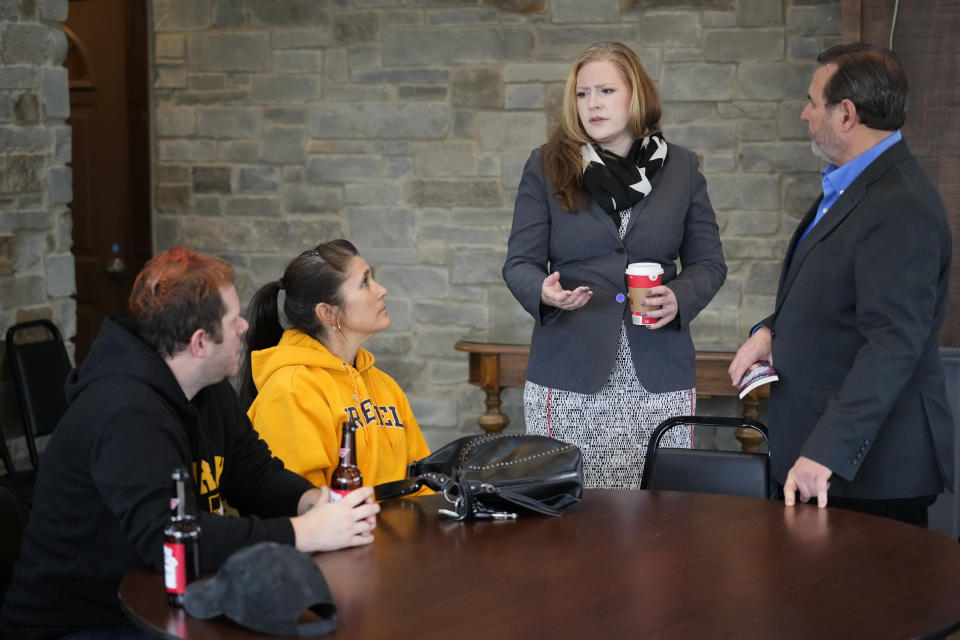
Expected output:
(619, 183)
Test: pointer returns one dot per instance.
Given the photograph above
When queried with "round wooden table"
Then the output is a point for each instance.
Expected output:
(623, 564)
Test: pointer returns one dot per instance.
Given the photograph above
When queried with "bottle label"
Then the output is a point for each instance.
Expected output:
(175, 567)
(336, 495)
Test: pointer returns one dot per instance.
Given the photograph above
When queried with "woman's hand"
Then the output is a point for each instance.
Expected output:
(553, 294)
(664, 298)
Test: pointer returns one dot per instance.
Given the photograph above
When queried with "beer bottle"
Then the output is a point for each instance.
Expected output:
(346, 477)
(181, 539)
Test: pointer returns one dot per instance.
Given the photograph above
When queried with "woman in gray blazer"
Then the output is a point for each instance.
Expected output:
(605, 191)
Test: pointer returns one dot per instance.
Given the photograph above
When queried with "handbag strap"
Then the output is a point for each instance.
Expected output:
(408, 486)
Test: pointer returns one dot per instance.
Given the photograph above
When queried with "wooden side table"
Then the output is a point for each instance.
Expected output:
(498, 365)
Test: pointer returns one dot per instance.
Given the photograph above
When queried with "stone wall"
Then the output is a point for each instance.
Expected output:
(36, 267)
(404, 125)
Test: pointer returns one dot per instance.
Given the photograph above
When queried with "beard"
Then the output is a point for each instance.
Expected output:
(825, 143)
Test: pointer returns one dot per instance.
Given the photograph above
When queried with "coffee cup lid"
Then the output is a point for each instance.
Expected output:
(644, 269)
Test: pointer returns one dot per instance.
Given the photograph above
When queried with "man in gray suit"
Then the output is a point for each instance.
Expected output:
(860, 411)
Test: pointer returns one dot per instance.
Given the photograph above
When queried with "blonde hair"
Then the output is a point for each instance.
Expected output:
(562, 161)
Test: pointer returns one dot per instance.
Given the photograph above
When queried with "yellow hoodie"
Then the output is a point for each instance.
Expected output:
(304, 395)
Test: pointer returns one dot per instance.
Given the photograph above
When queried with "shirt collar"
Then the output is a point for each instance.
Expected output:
(837, 179)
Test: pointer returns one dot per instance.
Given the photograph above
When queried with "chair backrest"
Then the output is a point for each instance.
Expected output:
(38, 370)
(738, 473)
(11, 533)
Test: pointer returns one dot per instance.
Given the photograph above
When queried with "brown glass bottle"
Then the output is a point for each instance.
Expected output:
(346, 477)
(181, 539)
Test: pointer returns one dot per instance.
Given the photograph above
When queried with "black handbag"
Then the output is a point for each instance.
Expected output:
(491, 476)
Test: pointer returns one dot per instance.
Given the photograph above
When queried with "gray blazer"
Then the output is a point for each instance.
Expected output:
(855, 338)
(575, 350)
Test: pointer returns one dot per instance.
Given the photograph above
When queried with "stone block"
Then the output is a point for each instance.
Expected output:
(238, 151)
(170, 45)
(518, 6)
(284, 88)
(206, 81)
(212, 234)
(398, 168)
(258, 206)
(416, 281)
(748, 110)
(757, 131)
(444, 159)
(61, 278)
(513, 164)
(354, 27)
(535, 72)
(288, 13)
(59, 185)
(772, 81)
(367, 193)
(577, 11)
(25, 43)
(402, 76)
(211, 179)
(456, 46)
(455, 234)
(339, 168)
(26, 108)
(447, 313)
(264, 179)
(476, 88)
(671, 29)
(285, 115)
(488, 164)
(229, 122)
(524, 96)
(394, 120)
(28, 139)
(172, 199)
(719, 19)
(57, 49)
(717, 162)
(741, 45)
(314, 38)
(175, 122)
(789, 124)
(228, 13)
(62, 144)
(181, 15)
(421, 93)
(447, 17)
(477, 266)
(297, 61)
(169, 76)
(23, 291)
(803, 48)
(284, 144)
(56, 93)
(171, 173)
(453, 193)
(675, 112)
(697, 82)
(355, 93)
(443, 372)
(735, 191)
(815, 19)
(708, 137)
(711, 5)
(572, 41)
(207, 205)
(308, 198)
(759, 13)
(229, 51)
(499, 130)
(777, 156)
(754, 249)
(20, 173)
(751, 223)
(383, 227)
(18, 77)
(800, 192)
(682, 55)
(399, 17)
(763, 278)
(463, 124)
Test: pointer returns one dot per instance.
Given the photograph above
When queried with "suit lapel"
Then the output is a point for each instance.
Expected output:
(844, 205)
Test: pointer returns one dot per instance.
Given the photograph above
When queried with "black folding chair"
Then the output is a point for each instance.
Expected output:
(38, 370)
(739, 473)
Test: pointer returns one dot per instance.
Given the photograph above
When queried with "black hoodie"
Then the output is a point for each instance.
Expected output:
(103, 491)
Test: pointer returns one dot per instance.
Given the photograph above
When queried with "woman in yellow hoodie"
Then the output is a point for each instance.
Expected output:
(303, 383)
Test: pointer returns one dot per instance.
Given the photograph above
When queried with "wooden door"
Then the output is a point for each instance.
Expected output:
(107, 66)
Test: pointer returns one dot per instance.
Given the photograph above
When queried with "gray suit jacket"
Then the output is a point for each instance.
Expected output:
(855, 338)
(575, 350)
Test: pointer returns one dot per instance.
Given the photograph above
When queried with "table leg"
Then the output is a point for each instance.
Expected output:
(493, 421)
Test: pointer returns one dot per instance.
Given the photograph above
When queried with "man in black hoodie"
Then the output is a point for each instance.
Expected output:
(153, 395)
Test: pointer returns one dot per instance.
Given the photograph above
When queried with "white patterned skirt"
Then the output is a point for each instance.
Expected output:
(612, 426)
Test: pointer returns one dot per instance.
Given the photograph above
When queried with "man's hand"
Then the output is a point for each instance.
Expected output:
(758, 348)
(325, 525)
(662, 305)
(810, 479)
(553, 294)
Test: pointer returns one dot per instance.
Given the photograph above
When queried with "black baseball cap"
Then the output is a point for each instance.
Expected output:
(266, 587)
